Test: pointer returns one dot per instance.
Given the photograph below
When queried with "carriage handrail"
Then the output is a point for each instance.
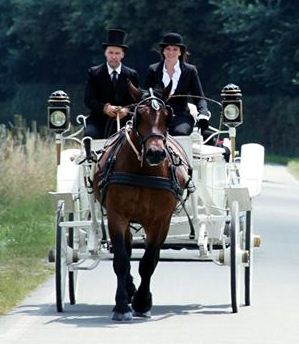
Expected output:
(194, 96)
(83, 118)
(218, 132)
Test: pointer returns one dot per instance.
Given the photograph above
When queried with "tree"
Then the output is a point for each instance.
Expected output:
(7, 81)
(265, 40)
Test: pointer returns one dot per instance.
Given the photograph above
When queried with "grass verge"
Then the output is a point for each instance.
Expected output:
(26, 219)
(293, 167)
(292, 164)
(19, 276)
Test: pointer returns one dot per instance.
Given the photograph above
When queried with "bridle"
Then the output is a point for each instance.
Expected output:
(156, 104)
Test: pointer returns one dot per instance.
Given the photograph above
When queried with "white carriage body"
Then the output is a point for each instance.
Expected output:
(218, 184)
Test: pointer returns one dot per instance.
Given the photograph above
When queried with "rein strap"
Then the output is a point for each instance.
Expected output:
(139, 156)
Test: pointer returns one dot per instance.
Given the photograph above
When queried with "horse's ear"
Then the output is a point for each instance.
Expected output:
(135, 93)
(166, 91)
(169, 115)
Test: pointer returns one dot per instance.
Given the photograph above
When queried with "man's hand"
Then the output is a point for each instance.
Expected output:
(111, 110)
(122, 112)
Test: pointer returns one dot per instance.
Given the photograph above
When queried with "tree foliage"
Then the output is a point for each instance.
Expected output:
(265, 43)
(253, 43)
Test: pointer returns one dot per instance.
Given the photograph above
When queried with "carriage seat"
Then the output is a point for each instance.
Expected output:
(197, 150)
(206, 151)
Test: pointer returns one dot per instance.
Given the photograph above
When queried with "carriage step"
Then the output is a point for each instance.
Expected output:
(166, 246)
(176, 244)
(171, 255)
(76, 224)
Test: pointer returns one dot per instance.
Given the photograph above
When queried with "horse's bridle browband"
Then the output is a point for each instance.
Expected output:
(156, 103)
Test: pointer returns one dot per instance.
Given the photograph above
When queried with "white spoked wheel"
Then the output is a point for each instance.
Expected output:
(248, 268)
(235, 264)
(61, 260)
(73, 275)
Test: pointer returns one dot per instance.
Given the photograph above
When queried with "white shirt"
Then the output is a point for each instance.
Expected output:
(175, 77)
(110, 70)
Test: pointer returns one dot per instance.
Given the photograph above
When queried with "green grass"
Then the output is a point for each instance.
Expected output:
(26, 233)
(277, 159)
(25, 227)
(293, 167)
(26, 219)
(292, 164)
(19, 276)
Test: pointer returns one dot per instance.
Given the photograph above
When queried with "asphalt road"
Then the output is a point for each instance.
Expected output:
(191, 299)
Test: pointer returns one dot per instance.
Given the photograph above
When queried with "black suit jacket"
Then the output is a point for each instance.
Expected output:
(99, 91)
(188, 84)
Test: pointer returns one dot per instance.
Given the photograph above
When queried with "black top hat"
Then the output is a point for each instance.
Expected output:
(115, 38)
(172, 38)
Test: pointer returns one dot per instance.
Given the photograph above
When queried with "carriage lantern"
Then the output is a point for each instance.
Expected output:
(58, 111)
(232, 110)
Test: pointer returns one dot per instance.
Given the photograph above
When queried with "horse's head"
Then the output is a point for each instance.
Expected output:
(150, 122)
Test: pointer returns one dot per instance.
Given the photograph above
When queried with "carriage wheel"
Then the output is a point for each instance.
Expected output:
(235, 264)
(73, 275)
(61, 260)
(248, 269)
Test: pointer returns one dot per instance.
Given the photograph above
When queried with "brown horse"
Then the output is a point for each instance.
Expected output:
(136, 180)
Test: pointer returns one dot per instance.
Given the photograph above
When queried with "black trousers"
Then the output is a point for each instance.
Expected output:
(181, 125)
(100, 131)
(94, 131)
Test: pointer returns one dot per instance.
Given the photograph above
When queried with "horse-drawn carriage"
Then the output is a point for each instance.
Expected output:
(135, 191)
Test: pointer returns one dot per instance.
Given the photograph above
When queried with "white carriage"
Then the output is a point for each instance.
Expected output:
(220, 211)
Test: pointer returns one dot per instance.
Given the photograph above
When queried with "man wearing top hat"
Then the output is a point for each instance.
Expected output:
(107, 92)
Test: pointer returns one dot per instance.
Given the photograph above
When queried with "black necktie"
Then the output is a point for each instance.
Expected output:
(114, 78)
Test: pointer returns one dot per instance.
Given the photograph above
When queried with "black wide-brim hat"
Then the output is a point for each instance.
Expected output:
(115, 38)
(172, 38)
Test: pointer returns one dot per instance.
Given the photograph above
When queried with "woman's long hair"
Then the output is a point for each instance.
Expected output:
(184, 54)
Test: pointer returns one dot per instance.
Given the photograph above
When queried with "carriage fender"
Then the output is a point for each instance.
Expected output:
(68, 172)
(252, 167)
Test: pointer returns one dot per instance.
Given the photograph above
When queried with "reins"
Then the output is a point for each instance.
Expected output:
(191, 96)
(128, 129)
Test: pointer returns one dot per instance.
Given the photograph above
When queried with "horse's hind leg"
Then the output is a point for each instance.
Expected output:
(121, 266)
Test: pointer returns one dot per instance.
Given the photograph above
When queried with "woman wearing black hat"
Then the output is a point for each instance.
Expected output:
(107, 91)
(185, 81)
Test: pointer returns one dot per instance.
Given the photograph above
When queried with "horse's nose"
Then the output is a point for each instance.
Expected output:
(155, 156)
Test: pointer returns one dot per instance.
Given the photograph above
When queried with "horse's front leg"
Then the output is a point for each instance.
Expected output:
(131, 289)
(142, 300)
(121, 266)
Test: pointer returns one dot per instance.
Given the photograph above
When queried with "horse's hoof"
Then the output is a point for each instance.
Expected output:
(146, 315)
(122, 316)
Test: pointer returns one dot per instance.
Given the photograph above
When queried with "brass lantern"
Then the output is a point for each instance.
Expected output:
(58, 111)
(232, 109)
